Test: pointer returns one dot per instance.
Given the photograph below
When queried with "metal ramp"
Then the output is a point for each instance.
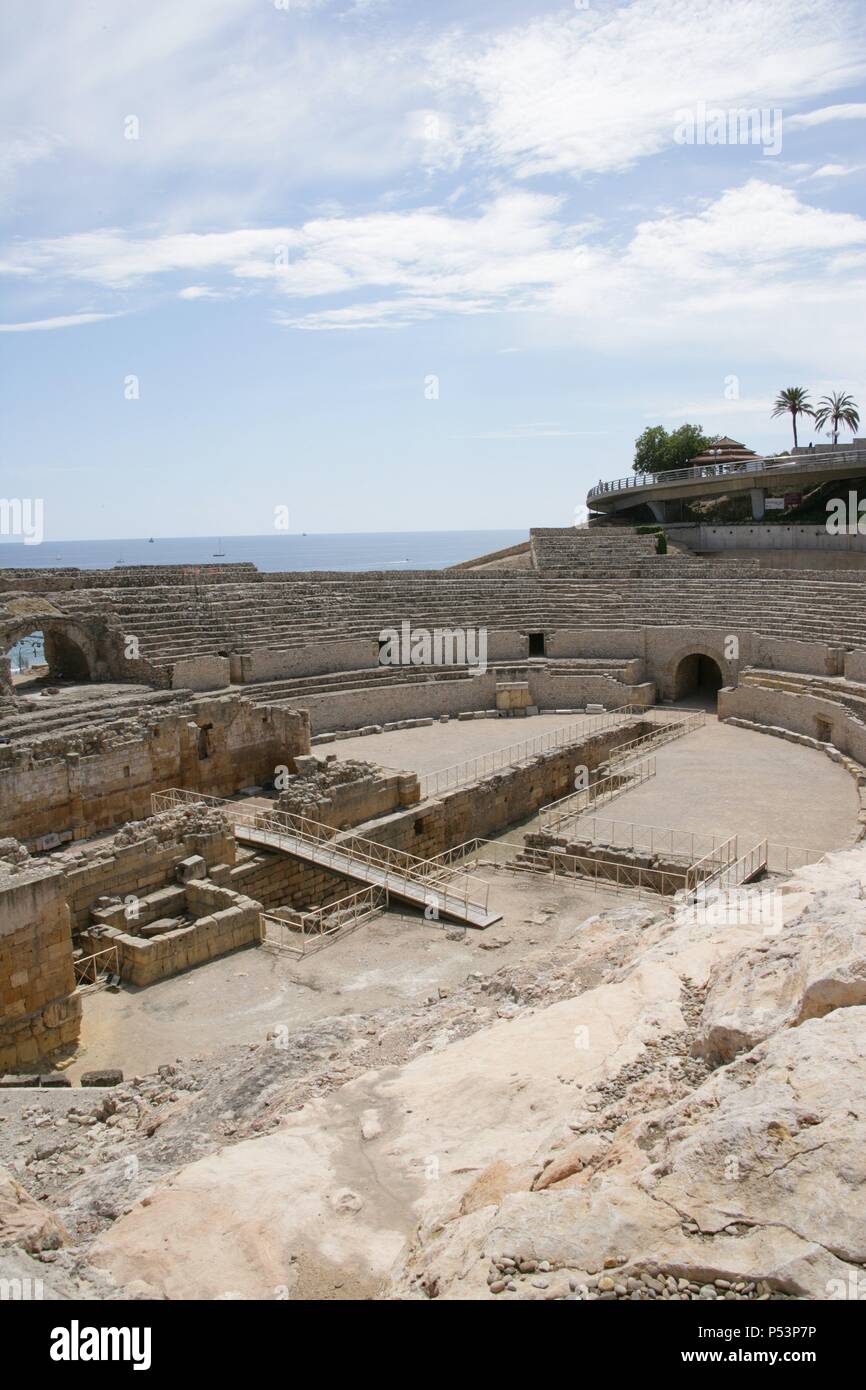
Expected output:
(426, 884)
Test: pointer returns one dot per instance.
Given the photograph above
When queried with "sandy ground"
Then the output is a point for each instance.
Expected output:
(436, 746)
(394, 959)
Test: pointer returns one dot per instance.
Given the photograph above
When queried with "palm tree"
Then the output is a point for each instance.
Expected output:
(837, 410)
(793, 401)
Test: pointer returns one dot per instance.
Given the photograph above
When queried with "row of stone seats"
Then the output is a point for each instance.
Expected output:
(44, 715)
(850, 694)
(564, 548)
(294, 689)
(287, 611)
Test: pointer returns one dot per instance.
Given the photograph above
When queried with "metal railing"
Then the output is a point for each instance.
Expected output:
(785, 859)
(605, 874)
(558, 814)
(644, 838)
(746, 867)
(792, 462)
(460, 774)
(299, 933)
(334, 848)
(95, 969)
(712, 866)
(665, 732)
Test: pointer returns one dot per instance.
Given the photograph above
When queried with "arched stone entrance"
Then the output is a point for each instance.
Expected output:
(698, 675)
(66, 659)
(70, 652)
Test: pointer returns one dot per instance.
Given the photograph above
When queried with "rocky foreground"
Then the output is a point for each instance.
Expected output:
(663, 1106)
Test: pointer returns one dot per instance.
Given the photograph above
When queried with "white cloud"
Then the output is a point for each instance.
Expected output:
(596, 90)
(849, 111)
(63, 321)
(835, 171)
(202, 292)
(238, 99)
(755, 255)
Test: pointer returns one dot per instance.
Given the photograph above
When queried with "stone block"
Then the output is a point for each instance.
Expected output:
(194, 866)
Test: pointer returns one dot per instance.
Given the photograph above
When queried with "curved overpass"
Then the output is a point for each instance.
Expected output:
(804, 468)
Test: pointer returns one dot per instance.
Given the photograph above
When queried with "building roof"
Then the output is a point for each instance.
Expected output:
(723, 451)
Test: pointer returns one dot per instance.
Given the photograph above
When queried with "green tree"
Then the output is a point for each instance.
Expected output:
(650, 450)
(793, 401)
(686, 443)
(657, 450)
(837, 410)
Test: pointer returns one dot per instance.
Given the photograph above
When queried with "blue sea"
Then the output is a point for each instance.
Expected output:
(362, 550)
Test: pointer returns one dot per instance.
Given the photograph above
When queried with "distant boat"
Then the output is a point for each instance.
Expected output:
(150, 542)
(219, 553)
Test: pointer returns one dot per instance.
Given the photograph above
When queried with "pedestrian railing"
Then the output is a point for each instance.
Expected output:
(785, 859)
(394, 868)
(723, 467)
(558, 814)
(299, 933)
(485, 764)
(97, 969)
(665, 732)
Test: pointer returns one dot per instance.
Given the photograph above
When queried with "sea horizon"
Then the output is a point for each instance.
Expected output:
(343, 550)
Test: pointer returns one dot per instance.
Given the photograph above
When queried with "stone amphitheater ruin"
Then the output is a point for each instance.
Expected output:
(323, 978)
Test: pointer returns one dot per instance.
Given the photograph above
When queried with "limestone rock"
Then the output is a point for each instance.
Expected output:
(25, 1222)
(816, 963)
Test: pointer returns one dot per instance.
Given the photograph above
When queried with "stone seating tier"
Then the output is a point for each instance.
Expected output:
(286, 612)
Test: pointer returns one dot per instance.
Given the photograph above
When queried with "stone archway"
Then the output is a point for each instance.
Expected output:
(67, 659)
(698, 675)
(70, 651)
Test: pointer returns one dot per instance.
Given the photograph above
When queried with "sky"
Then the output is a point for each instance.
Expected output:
(377, 265)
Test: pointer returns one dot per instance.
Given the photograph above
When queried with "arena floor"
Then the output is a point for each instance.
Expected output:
(717, 780)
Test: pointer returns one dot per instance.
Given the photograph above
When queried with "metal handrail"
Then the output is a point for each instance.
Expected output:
(273, 825)
(708, 869)
(644, 837)
(87, 972)
(459, 773)
(716, 470)
(568, 808)
(666, 733)
(313, 925)
(743, 868)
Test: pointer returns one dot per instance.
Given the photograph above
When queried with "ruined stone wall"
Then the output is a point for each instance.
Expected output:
(344, 793)
(39, 1013)
(664, 874)
(218, 746)
(489, 806)
(227, 922)
(275, 880)
(809, 715)
(354, 709)
(134, 869)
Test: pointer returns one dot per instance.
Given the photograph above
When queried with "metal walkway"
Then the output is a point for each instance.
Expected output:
(426, 884)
